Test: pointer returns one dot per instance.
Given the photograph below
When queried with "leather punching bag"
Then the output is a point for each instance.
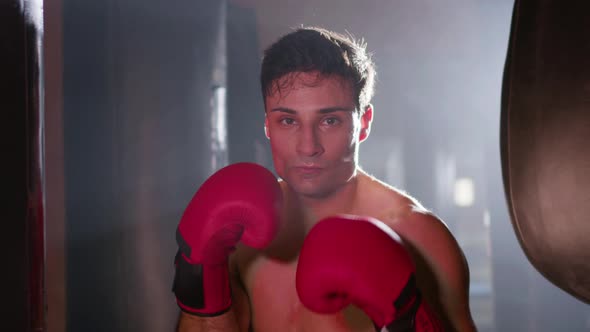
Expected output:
(545, 138)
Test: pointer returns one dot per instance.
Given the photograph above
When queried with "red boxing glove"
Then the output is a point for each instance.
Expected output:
(361, 261)
(240, 202)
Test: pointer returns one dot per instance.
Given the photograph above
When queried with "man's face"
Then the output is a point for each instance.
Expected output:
(314, 132)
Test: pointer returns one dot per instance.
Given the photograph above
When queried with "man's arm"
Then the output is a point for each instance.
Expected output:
(237, 319)
(192, 323)
(436, 248)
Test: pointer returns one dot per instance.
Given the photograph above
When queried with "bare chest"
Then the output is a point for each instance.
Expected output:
(275, 305)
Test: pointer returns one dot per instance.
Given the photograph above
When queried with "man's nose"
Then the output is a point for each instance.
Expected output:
(308, 142)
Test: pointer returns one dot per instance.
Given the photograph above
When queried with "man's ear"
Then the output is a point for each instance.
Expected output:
(366, 120)
(266, 127)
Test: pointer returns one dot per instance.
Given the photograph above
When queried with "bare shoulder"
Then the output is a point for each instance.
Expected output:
(431, 238)
(420, 228)
(441, 265)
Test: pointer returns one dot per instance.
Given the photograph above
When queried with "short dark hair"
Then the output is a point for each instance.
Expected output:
(312, 49)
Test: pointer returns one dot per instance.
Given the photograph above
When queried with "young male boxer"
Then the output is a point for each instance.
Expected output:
(385, 261)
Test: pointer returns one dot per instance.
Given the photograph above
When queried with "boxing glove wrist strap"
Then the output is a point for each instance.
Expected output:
(201, 290)
(407, 304)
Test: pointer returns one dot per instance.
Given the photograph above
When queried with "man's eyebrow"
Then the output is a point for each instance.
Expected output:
(322, 110)
(284, 110)
(336, 109)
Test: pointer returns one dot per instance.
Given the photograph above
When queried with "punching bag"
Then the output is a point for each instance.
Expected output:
(545, 138)
(21, 85)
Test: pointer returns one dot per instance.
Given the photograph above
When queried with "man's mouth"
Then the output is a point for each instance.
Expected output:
(308, 169)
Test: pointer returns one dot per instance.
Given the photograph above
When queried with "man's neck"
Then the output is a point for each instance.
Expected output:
(340, 201)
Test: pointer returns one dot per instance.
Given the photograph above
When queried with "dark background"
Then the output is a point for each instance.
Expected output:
(143, 100)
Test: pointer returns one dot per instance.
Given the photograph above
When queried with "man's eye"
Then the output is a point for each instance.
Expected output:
(287, 121)
(331, 121)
